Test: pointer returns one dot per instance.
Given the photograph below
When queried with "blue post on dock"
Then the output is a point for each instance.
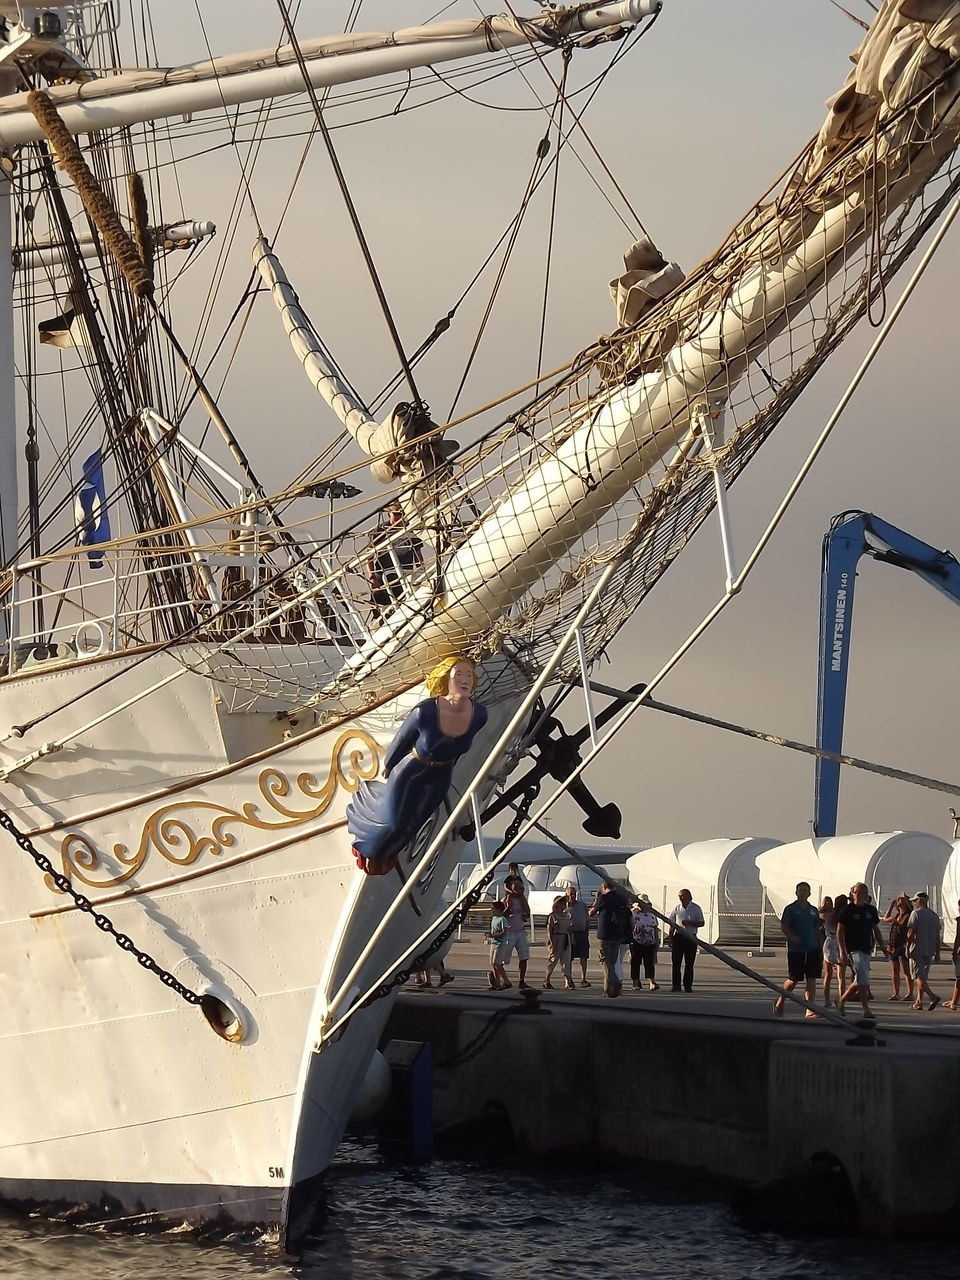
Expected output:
(406, 1126)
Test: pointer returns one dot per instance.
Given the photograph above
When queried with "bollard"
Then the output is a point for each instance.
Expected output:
(406, 1126)
(762, 953)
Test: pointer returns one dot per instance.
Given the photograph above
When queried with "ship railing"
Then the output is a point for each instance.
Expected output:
(132, 604)
(86, 622)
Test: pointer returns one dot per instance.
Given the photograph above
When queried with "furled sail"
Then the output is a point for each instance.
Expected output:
(379, 440)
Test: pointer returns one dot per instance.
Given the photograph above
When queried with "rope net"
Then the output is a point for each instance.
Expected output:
(497, 548)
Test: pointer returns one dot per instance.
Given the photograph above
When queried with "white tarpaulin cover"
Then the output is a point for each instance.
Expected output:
(950, 892)
(720, 874)
(888, 863)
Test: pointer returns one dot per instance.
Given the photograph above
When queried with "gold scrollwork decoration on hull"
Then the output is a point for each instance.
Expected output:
(168, 831)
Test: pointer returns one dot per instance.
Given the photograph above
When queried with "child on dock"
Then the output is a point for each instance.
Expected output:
(497, 975)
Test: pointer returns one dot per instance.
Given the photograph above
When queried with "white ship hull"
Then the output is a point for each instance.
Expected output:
(241, 883)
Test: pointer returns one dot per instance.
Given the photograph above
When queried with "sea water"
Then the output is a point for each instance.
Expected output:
(461, 1221)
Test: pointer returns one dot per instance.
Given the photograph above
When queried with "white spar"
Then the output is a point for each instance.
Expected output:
(114, 102)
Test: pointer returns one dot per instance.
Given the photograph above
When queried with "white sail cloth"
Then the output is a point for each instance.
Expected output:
(908, 47)
(710, 331)
(387, 442)
(647, 278)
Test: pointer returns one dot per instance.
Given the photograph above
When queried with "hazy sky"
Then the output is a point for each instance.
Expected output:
(695, 122)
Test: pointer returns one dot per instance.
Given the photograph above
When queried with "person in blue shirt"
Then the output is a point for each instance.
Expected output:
(800, 925)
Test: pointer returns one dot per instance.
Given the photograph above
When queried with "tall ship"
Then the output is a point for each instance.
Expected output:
(247, 727)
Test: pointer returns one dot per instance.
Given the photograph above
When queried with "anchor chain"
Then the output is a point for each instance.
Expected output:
(419, 961)
(100, 920)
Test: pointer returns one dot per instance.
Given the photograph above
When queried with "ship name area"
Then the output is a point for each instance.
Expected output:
(839, 623)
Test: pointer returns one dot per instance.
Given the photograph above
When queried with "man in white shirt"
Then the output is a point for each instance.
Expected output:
(685, 921)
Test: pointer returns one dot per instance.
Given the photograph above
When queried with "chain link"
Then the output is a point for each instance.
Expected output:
(419, 961)
(99, 919)
(146, 961)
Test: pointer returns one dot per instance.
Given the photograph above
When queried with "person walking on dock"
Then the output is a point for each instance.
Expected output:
(858, 926)
(923, 941)
(517, 911)
(829, 911)
(613, 929)
(497, 978)
(800, 925)
(643, 945)
(897, 915)
(685, 922)
(558, 944)
(579, 931)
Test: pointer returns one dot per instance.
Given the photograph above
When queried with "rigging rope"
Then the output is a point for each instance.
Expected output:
(854, 762)
(543, 148)
(578, 119)
(560, 104)
(351, 208)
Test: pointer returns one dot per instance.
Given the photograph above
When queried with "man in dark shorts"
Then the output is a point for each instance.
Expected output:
(579, 935)
(858, 928)
(800, 925)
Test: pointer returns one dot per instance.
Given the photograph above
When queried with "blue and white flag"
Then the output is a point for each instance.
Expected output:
(91, 508)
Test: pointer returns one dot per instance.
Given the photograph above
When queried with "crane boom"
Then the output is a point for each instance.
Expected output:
(851, 535)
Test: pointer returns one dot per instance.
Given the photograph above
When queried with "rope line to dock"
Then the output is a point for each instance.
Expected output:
(854, 762)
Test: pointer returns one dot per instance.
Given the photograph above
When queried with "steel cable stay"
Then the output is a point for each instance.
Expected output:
(444, 323)
(790, 744)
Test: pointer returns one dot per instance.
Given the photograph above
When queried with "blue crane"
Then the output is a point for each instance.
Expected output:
(853, 534)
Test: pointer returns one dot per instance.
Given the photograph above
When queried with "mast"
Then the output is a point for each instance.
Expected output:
(9, 506)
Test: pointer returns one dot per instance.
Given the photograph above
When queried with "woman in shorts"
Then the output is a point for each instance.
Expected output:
(898, 913)
(831, 950)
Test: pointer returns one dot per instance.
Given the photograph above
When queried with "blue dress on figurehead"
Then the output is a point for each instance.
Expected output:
(385, 816)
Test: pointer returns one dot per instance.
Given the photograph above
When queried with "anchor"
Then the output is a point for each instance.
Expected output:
(558, 756)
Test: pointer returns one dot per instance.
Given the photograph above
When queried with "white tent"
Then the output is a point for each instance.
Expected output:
(720, 874)
(888, 863)
(539, 861)
(950, 892)
(537, 853)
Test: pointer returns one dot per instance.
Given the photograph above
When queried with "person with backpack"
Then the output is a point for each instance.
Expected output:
(614, 928)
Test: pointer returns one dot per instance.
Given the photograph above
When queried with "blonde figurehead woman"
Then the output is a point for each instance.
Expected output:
(385, 817)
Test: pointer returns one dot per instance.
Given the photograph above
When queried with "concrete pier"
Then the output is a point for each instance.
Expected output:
(710, 1080)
